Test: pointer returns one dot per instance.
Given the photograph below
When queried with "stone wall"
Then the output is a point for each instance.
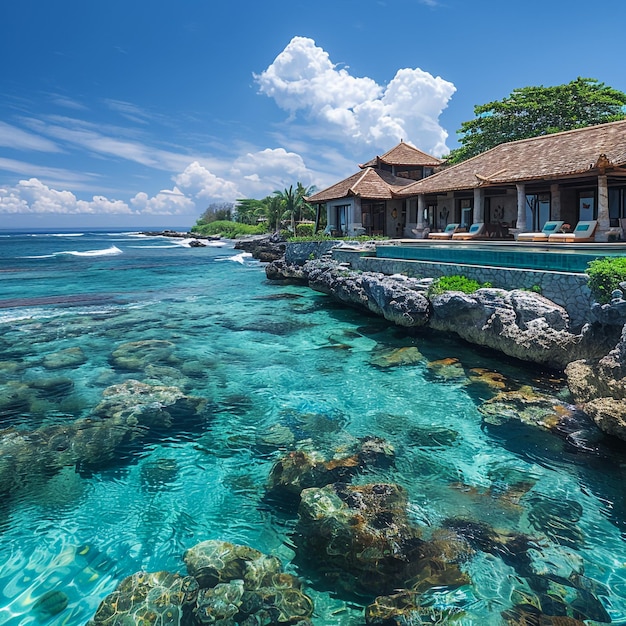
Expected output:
(567, 290)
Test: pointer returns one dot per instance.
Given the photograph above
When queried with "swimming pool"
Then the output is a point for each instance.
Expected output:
(532, 256)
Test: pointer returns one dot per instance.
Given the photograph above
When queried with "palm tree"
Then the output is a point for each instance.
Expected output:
(294, 201)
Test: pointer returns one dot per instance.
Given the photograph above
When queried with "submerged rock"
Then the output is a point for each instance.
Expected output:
(137, 355)
(70, 357)
(241, 584)
(300, 470)
(149, 598)
(406, 607)
(128, 412)
(359, 539)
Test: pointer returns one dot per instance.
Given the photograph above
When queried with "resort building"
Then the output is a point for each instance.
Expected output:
(368, 202)
(577, 175)
(572, 176)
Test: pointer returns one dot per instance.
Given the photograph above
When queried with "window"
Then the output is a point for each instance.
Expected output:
(537, 210)
(617, 204)
(586, 206)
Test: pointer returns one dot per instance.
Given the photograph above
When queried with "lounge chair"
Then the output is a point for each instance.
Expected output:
(584, 231)
(549, 228)
(476, 230)
(447, 233)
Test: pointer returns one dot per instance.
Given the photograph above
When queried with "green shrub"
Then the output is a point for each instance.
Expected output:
(453, 283)
(605, 275)
(304, 230)
(230, 230)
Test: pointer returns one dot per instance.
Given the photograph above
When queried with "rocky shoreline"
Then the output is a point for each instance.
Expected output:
(517, 323)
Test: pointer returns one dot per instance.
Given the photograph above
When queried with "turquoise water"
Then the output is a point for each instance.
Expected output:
(263, 355)
(548, 257)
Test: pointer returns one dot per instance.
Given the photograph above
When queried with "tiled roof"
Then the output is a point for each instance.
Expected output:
(550, 157)
(404, 154)
(370, 184)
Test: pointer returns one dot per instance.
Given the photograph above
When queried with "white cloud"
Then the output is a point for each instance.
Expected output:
(303, 79)
(166, 202)
(267, 170)
(203, 184)
(14, 137)
(33, 196)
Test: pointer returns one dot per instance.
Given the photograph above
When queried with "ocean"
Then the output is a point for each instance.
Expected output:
(278, 367)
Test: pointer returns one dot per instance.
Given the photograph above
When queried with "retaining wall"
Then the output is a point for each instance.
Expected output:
(568, 290)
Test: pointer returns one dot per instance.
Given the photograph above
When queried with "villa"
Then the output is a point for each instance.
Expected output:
(367, 202)
(572, 176)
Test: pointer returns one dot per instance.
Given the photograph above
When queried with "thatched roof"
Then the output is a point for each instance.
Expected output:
(548, 157)
(370, 184)
(403, 154)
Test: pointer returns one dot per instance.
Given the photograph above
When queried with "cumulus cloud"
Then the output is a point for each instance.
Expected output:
(302, 79)
(270, 169)
(33, 196)
(198, 181)
(166, 202)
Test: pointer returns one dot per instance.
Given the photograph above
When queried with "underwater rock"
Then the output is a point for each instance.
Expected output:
(137, 355)
(360, 540)
(393, 357)
(300, 470)
(50, 603)
(241, 584)
(139, 404)
(15, 399)
(405, 607)
(55, 387)
(70, 357)
(129, 411)
(526, 405)
(213, 562)
(149, 598)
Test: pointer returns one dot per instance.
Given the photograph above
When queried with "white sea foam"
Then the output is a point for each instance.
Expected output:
(104, 252)
(56, 235)
(238, 258)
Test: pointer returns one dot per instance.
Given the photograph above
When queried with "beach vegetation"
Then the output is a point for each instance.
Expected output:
(217, 212)
(454, 283)
(605, 276)
(533, 111)
(227, 229)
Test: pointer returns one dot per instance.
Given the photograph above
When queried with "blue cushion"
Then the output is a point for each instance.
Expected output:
(581, 227)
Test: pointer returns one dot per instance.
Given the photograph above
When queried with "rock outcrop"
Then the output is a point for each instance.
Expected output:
(599, 387)
(226, 584)
(518, 323)
(266, 248)
(397, 298)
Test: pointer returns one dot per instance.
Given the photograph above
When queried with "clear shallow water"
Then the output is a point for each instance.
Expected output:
(262, 355)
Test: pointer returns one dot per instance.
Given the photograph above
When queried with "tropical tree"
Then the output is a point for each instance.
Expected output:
(532, 111)
(217, 211)
(247, 210)
(294, 201)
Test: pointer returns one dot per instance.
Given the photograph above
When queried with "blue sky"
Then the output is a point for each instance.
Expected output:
(142, 113)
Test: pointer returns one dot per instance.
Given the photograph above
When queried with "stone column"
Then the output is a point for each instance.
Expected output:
(521, 208)
(555, 202)
(479, 205)
(603, 209)
(421, 205)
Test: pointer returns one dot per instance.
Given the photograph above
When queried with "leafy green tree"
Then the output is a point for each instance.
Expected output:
(218, 211)
(248, 210)
(533, 111)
